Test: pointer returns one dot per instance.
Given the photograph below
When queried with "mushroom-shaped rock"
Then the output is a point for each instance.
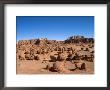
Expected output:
(70, 57)
(61, 57)
(53, 58)
(21, 55)
(29, 57)
(36, 57)
(80, 65)
(58, 67)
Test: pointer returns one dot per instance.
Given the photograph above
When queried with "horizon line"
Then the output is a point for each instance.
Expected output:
(53, 39)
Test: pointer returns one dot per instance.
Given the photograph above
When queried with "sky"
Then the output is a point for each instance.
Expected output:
(53, 27)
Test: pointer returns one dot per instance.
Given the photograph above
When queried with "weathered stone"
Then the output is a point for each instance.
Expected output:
(29, 57)
(61, 57)
(53, 58)
(36, 57)
(80, 65)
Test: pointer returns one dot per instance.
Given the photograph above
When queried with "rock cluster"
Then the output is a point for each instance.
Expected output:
(79, 39)
(74, 49)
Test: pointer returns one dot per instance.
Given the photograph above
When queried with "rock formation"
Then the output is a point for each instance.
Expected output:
(57, 53)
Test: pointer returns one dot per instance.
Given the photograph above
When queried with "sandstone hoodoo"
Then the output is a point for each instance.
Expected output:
(74, 55)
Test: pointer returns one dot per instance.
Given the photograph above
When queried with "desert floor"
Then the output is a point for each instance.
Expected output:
(37, 67)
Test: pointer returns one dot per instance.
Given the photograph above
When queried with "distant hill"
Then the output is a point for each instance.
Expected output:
(71, 39)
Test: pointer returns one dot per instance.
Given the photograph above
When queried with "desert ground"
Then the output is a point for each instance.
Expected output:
(74, 55)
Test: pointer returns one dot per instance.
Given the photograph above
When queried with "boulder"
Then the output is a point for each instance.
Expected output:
(58, 67)
(80, 65)
(36, 57)
(61, 57)
(53, 58)
(21, 55)
(29, 57)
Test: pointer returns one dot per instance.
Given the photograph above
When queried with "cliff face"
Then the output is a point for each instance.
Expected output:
(52, 52)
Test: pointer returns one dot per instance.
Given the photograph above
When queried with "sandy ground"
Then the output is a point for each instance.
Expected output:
(37, 67)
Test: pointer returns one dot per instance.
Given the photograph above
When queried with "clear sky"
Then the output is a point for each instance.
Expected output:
(53, 27)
